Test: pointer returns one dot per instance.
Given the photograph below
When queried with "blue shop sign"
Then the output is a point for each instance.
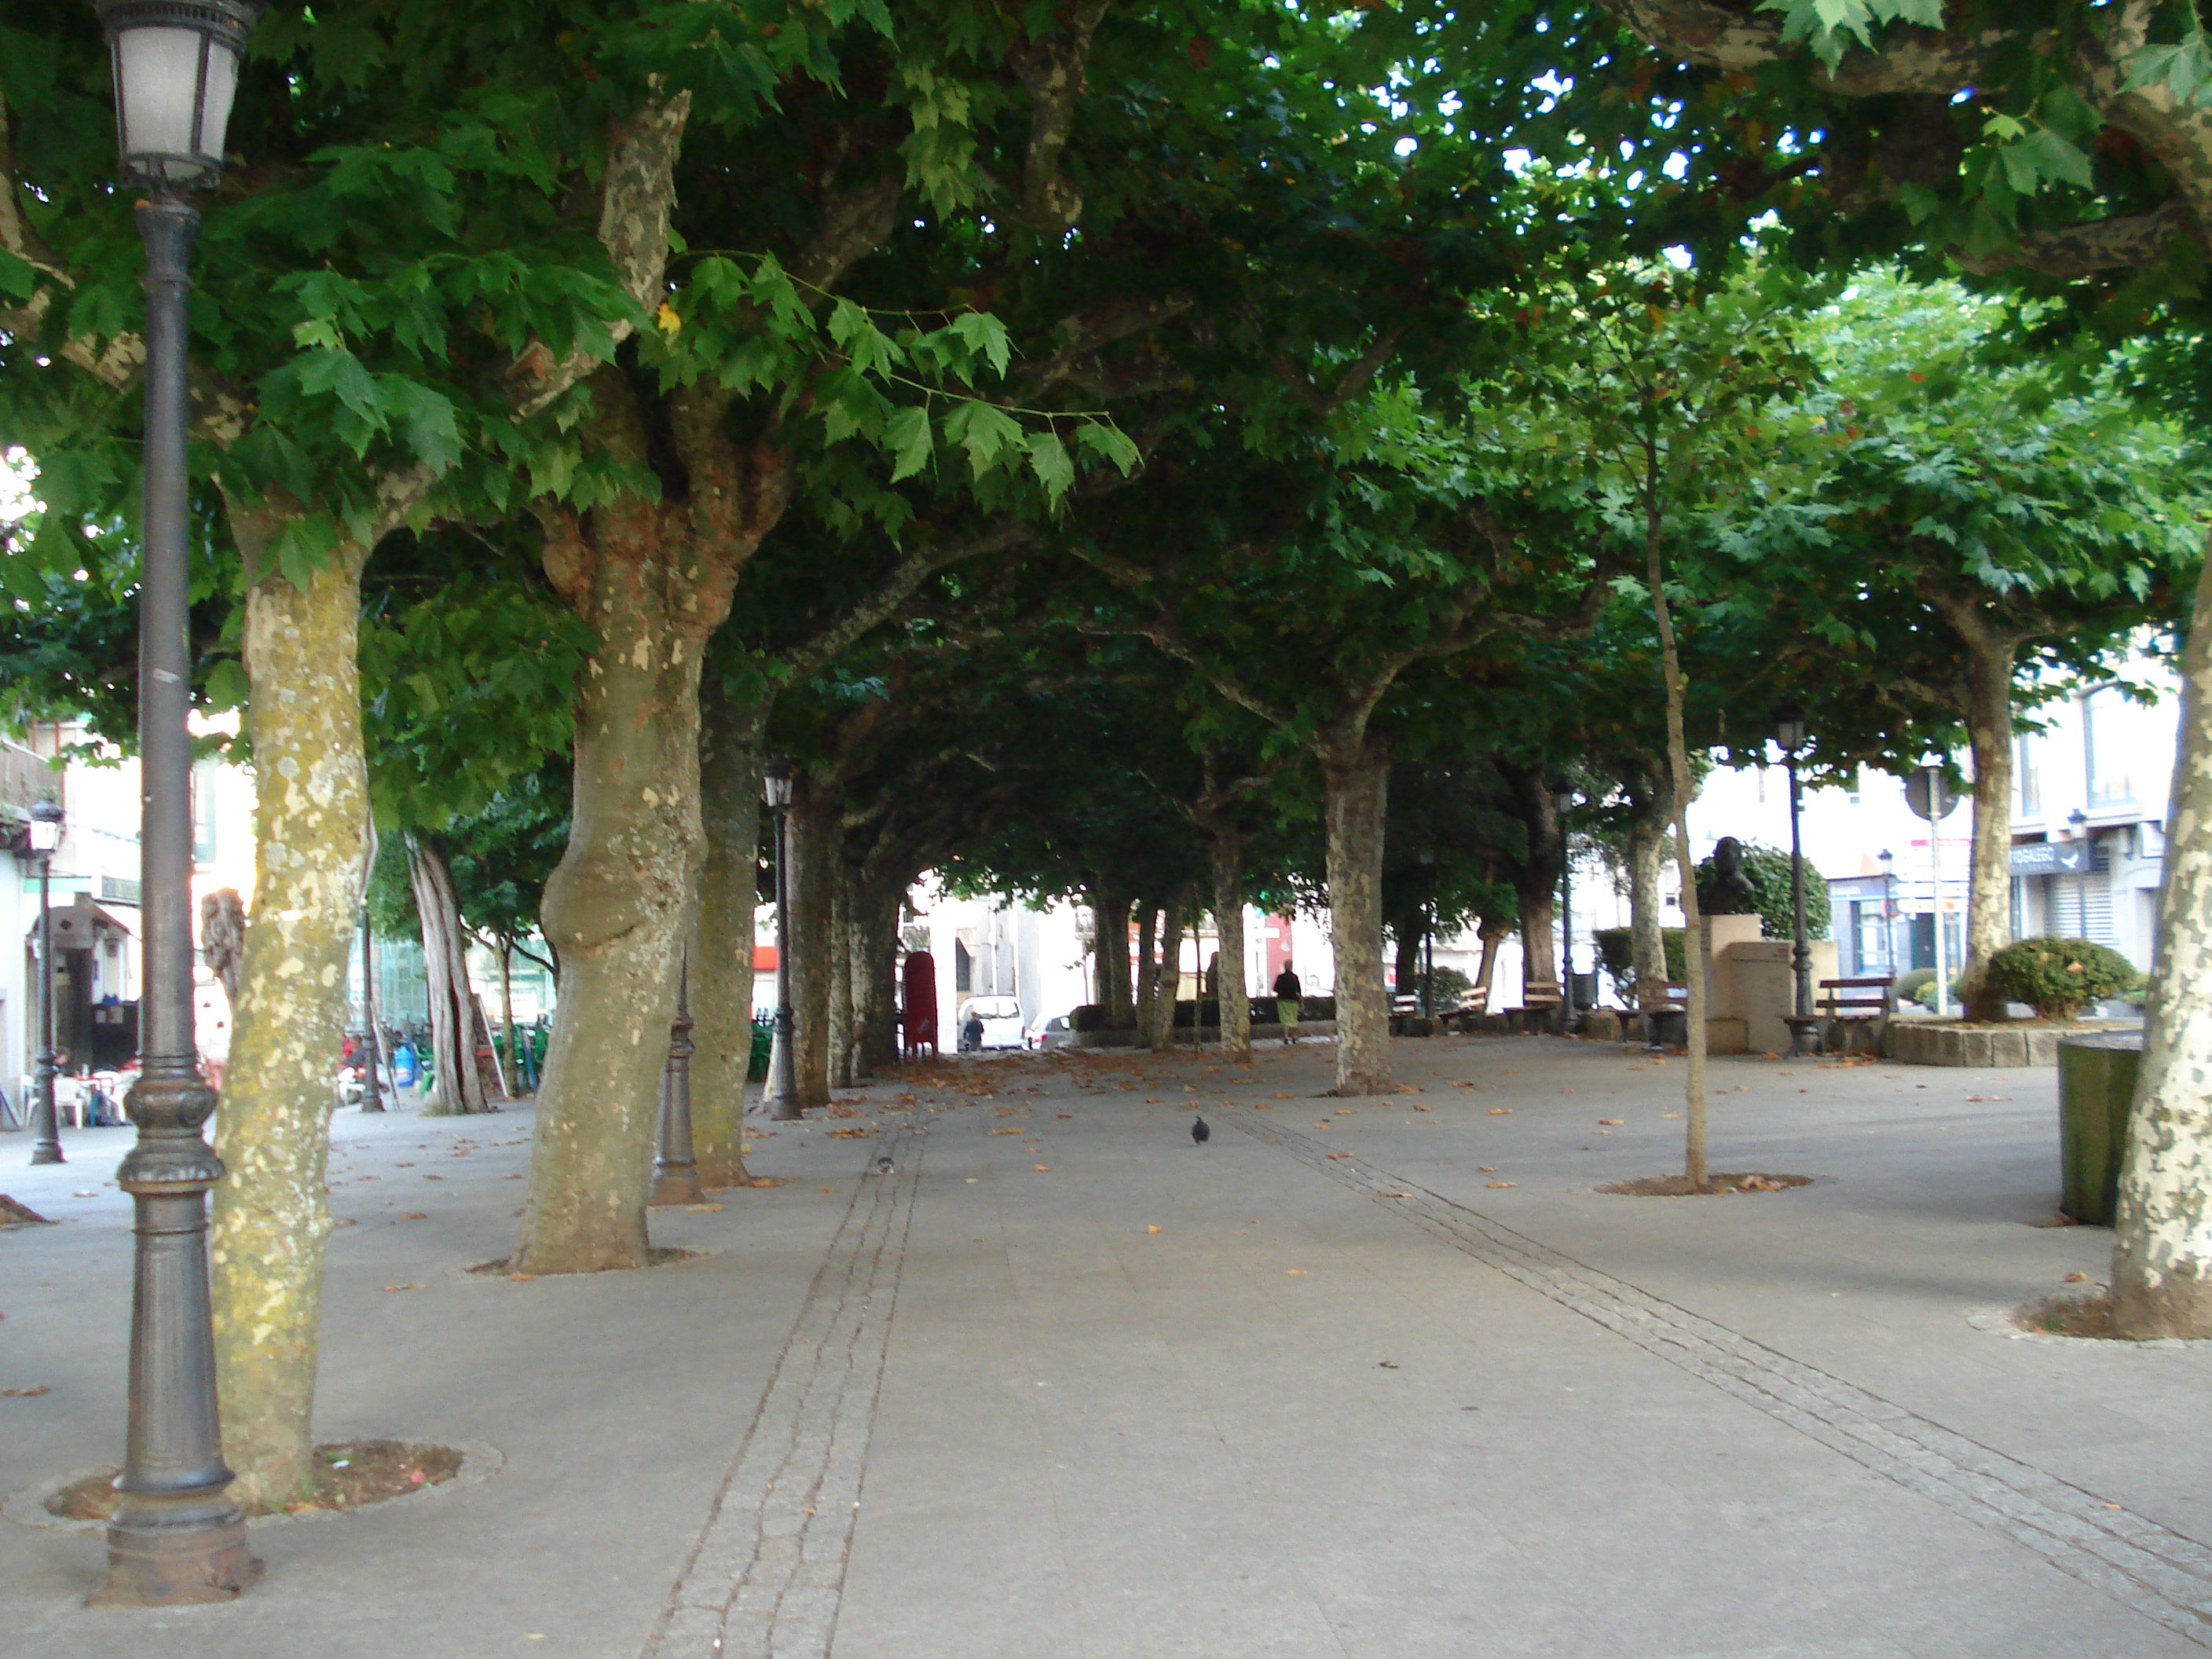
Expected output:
(2050, 858)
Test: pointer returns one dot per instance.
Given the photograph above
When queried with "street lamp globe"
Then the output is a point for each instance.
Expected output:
(1789, 730)
(176, 72)
(775, 783)
(45, 829)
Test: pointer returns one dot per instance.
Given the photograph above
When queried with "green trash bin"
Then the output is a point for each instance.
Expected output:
(2096, 1085)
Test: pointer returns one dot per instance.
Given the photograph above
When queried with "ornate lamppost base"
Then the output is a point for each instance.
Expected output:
(175, 1551)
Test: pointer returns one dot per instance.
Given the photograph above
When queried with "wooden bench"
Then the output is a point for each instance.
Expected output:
(1540, 999)
(1847, 1002)
(1665, 1024)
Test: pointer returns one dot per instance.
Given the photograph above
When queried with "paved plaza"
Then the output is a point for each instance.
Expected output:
(1372, 1379)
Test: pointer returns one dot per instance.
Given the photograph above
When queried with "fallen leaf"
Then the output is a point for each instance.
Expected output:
(1501, 1111)
(28, 1394)
(415, 1215)
(1501, 1183)
(1615, 1122)
(1151, 1100)
(829, 1189)
(511, 1177)
(702, 1209)
(1002, 1132)
(1285, 1094)
(1294, 1273)
(1152, 1229)
(1380, 1194)
(2074, 1278)
(91, 1192)
(1337, 1155)
(1487, 1169)
(403, 1287)
(522, 1278)
(1045, 1168)
(1422, 1109)
(1678, 1114)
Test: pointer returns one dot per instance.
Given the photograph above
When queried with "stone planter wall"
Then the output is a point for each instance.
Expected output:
(1915, 1042)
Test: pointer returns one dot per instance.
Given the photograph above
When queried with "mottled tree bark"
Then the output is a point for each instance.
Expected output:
(654, 579)
(1991, 658)
(1680, 787)
(1647, 851)
(1157, 1030)
(814, 835)
(311, 823)
(2162, 1247)
(730, 758)
(1536, 874)
(1109, 915)
(456, 1085)
(1226, 851)
(1356, 777)
(840, 965)
(1492, 932)
(875, 969)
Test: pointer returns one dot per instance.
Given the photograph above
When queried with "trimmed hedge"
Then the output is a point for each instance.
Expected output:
(2057, 977)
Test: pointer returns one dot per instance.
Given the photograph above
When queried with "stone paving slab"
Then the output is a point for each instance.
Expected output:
(1301, 1418)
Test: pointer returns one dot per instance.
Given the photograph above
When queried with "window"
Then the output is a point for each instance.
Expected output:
(963, 967)
(2105, 721)
(203, 815)
(2026, 780)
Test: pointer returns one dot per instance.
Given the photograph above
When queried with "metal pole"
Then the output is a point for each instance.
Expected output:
(783, 1069)
(176, 1535)
(675, 1172)
(373, 1101)
(45, 1122)
(1936, 903)
(1801, 951)
(1566, 931)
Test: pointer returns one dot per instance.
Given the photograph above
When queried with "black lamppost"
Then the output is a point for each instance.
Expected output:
(675, 1171)
(1789, 737)
(46, 1123)
(176, 1536)
(1889, 861)
(1563, 800)
(1429, 933)
(782, 1096)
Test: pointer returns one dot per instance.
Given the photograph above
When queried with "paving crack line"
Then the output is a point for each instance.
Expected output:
(766, 1578)
(2160, 1573)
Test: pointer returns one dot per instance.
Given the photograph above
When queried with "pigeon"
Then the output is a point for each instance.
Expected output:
(1200, 1131)
(883, 1166)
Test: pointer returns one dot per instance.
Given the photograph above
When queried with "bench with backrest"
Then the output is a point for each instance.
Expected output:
(1846, 1004)
(1539, 1005)
(1665, 1022)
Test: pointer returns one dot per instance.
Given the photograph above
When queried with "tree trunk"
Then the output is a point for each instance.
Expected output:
(1493, 932)
(1647, 850)
(621, 899)
(875, 970)
(1991, 662)
(311, 822)
(815, 821)
(1148, 922)
(731, 759)
(1233, 996)
(1680, 786)
(1406, 953)
(456, 1088)
(2162, 1247)
(1166, 979)
(1356, 776)
(1110, 914)
(841, 977)
(1540, 949)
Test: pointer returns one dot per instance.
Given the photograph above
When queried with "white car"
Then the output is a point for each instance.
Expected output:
(1055, 1033)
(1002, 1023)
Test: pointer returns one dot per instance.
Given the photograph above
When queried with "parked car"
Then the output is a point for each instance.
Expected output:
(1002, 1020)
(1055, 1033)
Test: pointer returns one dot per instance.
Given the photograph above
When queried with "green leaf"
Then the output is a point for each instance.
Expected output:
(910, 441)
(1050, 461)
(1110, 443)
(985, 333)
(986, 432)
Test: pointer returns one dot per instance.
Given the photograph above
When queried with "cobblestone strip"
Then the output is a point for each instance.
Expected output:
(765, 1579)
(2159, 1572)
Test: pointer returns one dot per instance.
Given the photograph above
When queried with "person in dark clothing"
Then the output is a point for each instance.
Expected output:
(1288, 995)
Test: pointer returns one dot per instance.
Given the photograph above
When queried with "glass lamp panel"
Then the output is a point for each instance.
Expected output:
(157, 71)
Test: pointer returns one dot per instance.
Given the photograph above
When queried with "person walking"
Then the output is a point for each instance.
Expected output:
(1288, 995)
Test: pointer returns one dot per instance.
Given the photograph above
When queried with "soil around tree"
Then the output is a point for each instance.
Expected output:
(349, 1474)
(659, 1255)
(1719, 1183)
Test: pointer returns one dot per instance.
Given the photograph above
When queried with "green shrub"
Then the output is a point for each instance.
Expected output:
(1451, 986)
(2056, 977)
(1918, 985)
